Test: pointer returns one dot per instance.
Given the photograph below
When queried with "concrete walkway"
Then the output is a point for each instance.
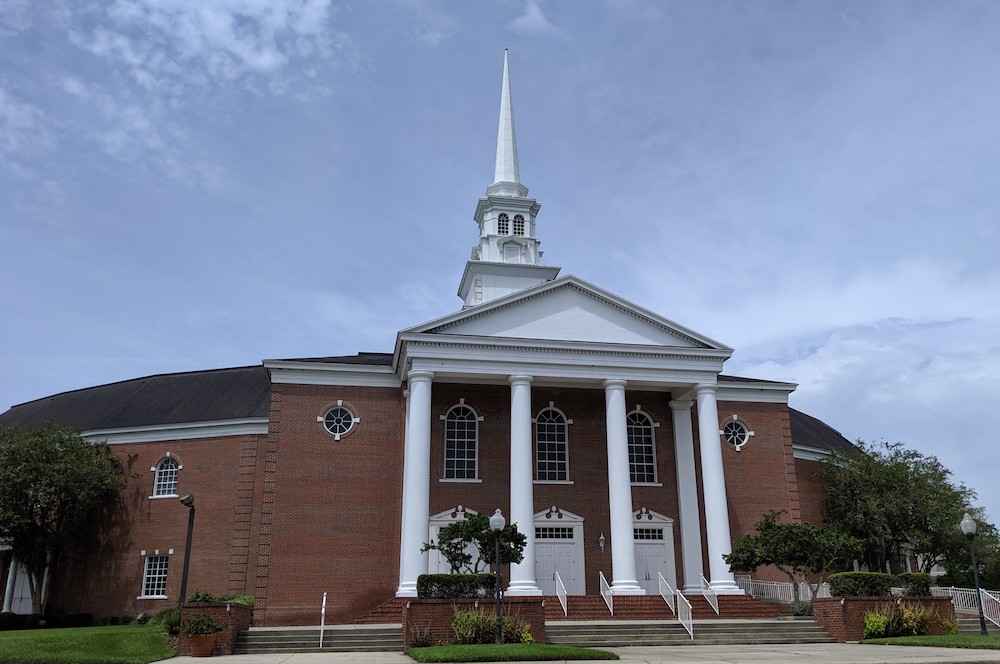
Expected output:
(812, 653)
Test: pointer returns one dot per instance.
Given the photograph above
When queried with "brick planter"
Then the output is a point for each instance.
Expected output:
(435, 615)
(844, 617)
(236, 616)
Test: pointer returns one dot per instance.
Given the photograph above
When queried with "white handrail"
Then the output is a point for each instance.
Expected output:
(667, 592)
(322, 621)
(991, 606)
(709, 593)
(561, 593)
(964, 601)
(778, 591)
(684, 613)
(606, 594)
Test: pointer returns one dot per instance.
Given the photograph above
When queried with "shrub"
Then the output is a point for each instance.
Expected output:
(55, 620)
(875, 625)
(201, 597)
(861, 584)
(420, 637)
(10, 620)
(199, 624)
(170, 619)
(915, 584)
(33, 621)
(479, 626)
(80, 620)
(949, 626)
(205, 597)
(452, 586)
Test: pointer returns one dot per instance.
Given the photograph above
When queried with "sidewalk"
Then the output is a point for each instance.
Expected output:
(813, 653)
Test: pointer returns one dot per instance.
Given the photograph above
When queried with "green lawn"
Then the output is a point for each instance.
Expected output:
(123, 644)
(991, 642)
(506, 653)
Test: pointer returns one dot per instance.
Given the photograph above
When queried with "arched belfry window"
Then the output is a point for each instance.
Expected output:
(551, 446)
(165, 478)
(503, 224)
(461, 443)
(641, 448)
(518, 225)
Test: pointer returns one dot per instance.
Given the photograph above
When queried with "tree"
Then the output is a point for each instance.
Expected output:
(458, 541)
(53, 486)
(896, 500)
(799, 550)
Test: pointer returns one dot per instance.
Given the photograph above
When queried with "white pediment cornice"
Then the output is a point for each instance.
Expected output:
(496, 318)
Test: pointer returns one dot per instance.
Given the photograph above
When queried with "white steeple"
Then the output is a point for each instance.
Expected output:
(507, 257)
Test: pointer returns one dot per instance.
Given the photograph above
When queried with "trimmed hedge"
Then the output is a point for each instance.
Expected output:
(915, 584)
(452, 586)
(861, 584)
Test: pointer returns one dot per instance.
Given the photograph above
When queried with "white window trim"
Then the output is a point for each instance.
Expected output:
(444, 418)
(566, 422)
(145, 571)
(654, 425)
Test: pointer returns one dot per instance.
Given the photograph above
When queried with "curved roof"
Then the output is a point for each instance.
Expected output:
(807, 431)
(197, 396)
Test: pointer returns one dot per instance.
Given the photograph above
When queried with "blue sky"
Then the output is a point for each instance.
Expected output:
(188, 185)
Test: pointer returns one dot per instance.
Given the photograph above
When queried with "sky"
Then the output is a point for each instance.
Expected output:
(188, 185)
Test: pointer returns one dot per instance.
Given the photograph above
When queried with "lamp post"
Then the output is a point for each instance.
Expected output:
(188, 502)
(497, 523)
(968, 527)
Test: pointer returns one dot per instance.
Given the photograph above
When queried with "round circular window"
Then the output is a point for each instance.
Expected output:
(338, 421)
(736, 434)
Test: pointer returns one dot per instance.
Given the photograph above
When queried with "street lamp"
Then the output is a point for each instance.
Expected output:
(497, 523)
(968, 527)
(188, 502)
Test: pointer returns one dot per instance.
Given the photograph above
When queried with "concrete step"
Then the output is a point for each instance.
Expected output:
(336, 638)
(706, 632)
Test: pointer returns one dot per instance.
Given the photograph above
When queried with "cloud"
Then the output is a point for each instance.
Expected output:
(533, 21)
(23, 126)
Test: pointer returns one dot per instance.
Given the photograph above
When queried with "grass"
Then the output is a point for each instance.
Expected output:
(991, 642)
(516, 652)
(122, 644)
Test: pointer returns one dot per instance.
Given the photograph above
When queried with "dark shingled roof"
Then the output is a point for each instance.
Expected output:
(379, 359)
(198, 396)
(810, 432)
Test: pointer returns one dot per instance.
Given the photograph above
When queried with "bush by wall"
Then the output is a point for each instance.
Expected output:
(861, 584)
(452, 586)
(915, 584)
(479, 626)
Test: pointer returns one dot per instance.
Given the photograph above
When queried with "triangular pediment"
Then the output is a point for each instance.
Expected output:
(568, 309)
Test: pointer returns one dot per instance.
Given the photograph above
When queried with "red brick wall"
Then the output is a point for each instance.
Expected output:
(812, 490)
(106, 579)
(236, 617)
(434, 616)
(844, 617)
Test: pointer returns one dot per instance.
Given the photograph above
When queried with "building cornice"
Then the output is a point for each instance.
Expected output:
(755, 392)
(179, 431)
(330, 373)
(806, 453)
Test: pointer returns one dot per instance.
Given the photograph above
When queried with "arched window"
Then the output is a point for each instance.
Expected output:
(461, 443)
(518, 225)
(503, 224)
(165, 481)
(552, 446)
(641, 448)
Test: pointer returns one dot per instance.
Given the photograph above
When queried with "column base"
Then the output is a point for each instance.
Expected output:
(726, 588)
(407, 589)
(523, 589)
(691, 590)
(627, 588)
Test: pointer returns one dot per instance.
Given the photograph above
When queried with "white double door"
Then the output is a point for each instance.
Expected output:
(562, 555)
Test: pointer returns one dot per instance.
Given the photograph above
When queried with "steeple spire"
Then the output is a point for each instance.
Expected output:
(507, 169)
(508, 256)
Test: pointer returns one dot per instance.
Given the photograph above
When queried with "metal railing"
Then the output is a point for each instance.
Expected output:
(964, 601)
(779, 591)
(709, 593)
(667, 592)
(684, 614)
(606, 594)
(561, 593)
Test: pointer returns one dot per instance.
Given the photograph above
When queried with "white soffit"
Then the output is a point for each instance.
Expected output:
(755, 391)
(322, 373)
(180, 431)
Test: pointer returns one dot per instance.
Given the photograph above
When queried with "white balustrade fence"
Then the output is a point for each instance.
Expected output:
(606, 594)
(561, 593)
(709, 593)
(667, 592)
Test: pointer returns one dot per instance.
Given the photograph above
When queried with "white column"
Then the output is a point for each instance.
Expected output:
(522, 503)
(713, 482)
(687, 497)
(416, 483)
(620, 493)
(8, 595)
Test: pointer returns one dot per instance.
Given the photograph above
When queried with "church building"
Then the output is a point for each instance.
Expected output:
(608, 433)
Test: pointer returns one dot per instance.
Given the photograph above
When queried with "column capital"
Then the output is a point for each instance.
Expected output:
(520, 379)
(706, 388)
(681, 405)
(615, 383)
(420, 375)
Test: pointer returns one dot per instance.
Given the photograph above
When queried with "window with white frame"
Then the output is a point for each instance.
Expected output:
(736, 433)
(154, 576)
(552, 446)
(165, 479)
(461, 442)
(641, 448)
(503, 224)
(518, 225)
